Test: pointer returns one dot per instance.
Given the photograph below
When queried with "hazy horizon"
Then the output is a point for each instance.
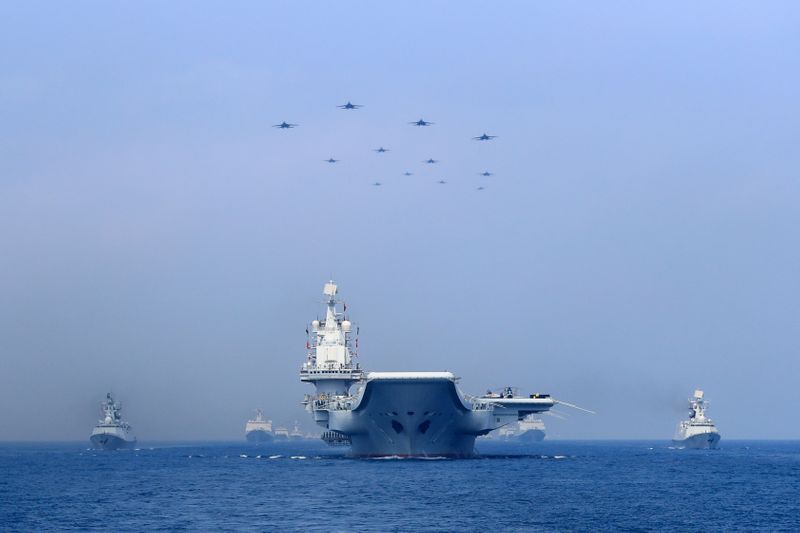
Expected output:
(637, 239)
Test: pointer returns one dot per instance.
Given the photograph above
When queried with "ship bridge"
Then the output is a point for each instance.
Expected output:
(330, 349)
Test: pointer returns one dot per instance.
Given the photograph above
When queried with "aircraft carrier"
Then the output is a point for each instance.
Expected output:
(111, 432)
(396, 413)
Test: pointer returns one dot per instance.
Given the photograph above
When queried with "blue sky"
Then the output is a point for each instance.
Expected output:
(638, 238)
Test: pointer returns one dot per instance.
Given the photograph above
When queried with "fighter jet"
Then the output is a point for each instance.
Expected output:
(432, 161)
(406, 173)
(484, 137)
(421, 122)
(441, 182)
(284, 126)
(376, 184)
(331, 160)
(381, 150)
(348, 105)
(479, 188)
(486, 173)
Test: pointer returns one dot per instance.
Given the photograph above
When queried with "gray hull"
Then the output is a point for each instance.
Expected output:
(704, 441)
(411, 418)
(258, 436)
(104, 441)
(533, 435)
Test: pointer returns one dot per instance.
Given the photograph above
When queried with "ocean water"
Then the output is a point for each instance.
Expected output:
(306, 486)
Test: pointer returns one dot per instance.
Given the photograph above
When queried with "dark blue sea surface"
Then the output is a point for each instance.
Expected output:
(306, 486)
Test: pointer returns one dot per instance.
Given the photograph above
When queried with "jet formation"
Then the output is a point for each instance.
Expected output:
(381, 150)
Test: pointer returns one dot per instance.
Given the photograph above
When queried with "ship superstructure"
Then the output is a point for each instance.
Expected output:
(396, 413)
(111, 432)
(296, 433)
(258, 429)
(531, 429)
(698, 431)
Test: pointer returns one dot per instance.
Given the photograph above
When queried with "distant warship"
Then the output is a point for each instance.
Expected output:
(111, 432)
(281, 433)
(531, 429)
(296, 434)
(698, 431)
(258, 429)
(396, 413)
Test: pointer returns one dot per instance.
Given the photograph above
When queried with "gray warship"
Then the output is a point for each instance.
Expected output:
(396, 413)
(699, 431)
(111, 432)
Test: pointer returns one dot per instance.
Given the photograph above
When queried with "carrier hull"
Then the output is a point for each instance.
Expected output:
(413, 418)
(532, 435)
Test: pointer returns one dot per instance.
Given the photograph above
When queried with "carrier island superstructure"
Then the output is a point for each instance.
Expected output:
(396, 413)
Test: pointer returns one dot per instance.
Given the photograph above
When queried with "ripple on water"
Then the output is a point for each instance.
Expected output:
(551, 486)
